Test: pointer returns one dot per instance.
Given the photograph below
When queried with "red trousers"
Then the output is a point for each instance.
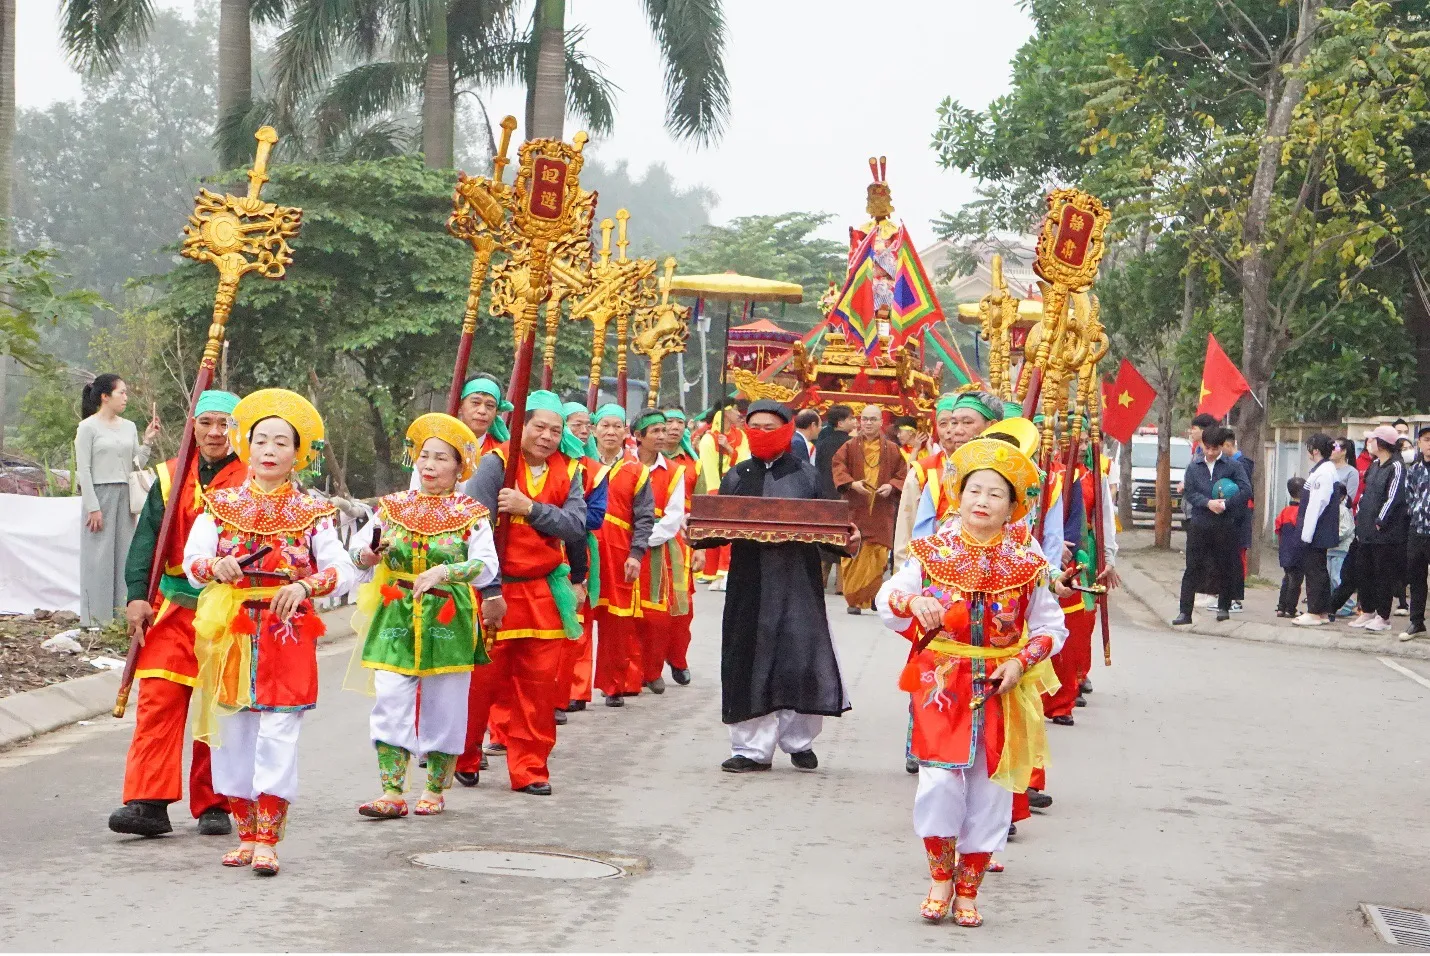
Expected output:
(679, 642)
(154, 769)
(656, 632)
(577, 667)
(618, 654)
(717, 563)
(525, 673)
(1037, 781)
(1071, 663)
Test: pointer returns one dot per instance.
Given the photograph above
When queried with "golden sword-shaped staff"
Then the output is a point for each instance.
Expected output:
(239, 235)
(479, 211)
(617, 287)
(660, 331)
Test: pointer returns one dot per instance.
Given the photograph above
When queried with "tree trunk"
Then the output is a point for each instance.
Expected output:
(548, 97)
(235, 64)
(381, 448)
(438, 103)
(1417, 323)
(1162, 530)
(1124, 485)
(7, 163)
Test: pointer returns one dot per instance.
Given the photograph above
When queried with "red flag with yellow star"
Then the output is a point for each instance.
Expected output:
(1222, 382)
(1126, 400)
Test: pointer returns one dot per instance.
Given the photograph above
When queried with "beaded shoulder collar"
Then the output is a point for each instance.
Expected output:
(432, 514)
(956, 560)
(283, 511)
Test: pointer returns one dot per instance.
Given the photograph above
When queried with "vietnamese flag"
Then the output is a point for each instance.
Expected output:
(1126, 400)
(1222, 382)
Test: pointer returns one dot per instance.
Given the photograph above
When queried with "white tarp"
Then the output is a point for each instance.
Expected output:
(39, 553)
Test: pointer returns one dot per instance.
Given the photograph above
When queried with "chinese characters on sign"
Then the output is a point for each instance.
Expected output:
(1073, 235)
(548, 188)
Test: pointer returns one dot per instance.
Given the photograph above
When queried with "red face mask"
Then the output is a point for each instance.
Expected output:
(767, 446)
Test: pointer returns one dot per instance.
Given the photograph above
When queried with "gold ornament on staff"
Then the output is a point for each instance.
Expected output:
(998, 313)
(660, 331)
(239, 235)
(615, 288)
(479, 211)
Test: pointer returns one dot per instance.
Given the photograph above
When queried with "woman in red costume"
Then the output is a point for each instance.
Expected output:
(975, 601)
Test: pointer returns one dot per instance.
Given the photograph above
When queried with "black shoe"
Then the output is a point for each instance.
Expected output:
(494, 749)
(560, 717)
(215, 822)
(483, 764)
(142, 818)
(467, 779)
(1038, 800)
(542, 789)
(911, 765)
(681, 675)
(615, 700)
(657, 686)
(743, 765)
(1223, 614)
(854, 610)
(1012, 829)
(1085, 686)
(575, 706)
(1081, 701)
(804, 760)
(1065, 721)
(1181, 619)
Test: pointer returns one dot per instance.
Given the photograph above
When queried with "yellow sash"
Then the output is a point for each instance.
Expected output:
(223, 672)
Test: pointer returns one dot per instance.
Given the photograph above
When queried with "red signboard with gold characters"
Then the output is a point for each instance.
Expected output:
(1070, 243)
(548, 188)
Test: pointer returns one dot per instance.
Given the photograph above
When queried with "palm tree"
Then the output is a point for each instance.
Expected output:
(691, 37)
(411, 53)
(95, 34)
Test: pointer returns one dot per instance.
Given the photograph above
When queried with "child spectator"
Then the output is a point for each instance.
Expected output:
(1290, 551)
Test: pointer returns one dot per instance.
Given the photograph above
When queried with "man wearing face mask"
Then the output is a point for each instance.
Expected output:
(779, 673)
(167, 668)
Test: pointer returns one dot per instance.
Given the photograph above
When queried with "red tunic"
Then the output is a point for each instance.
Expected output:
(624, 480)
(530, 556)
(658, 566)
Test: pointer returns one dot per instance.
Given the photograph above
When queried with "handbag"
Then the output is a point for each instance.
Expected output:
(139, 484)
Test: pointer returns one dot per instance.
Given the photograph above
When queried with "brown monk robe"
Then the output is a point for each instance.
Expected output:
(869, 472)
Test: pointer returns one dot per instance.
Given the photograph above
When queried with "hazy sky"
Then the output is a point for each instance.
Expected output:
(817, 87)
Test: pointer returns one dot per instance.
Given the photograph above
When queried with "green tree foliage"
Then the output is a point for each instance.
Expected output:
(36, 300)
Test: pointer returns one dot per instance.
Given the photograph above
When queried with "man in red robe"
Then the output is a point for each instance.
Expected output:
(167, 669)
(665, 570)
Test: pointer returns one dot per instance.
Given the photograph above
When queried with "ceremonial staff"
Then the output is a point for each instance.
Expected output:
(239, 235)
(659, 331)
(545, 212)
(478, 215)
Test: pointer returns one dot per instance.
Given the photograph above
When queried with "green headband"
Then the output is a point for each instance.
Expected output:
(543, 401)
(486, 386)
(571, 446)
(972, 401)
(648, 419)
(571, 408)
(214, 400)
(609, 410)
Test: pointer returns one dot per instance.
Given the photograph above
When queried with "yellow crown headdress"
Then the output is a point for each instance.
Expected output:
(289, 406)
(448, 429)
(994, 454)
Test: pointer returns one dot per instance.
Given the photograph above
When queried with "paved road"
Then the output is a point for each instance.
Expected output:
(1216, 795)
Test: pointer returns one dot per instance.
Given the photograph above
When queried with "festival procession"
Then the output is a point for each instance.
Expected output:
(442, 486)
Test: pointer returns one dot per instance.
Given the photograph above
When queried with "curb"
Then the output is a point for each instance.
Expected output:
(1158, 599)
(44, 709)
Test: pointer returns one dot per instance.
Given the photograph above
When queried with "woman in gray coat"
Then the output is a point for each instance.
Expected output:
(106, 450)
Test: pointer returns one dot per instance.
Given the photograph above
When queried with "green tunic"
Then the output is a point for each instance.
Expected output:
(445, 636)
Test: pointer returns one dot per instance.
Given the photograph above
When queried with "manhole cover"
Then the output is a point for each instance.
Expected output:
(1399, 927)
(542, 865)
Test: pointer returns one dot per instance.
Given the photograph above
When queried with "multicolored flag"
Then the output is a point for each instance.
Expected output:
(948, 352)
(915, 306)
(854, 310)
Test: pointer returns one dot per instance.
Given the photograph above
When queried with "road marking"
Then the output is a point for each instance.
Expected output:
(1402, 669)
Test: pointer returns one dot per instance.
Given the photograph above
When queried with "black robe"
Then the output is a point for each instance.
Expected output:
(776, 650)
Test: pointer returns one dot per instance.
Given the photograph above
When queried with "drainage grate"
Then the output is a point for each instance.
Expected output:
(1399, 927)
(532, 863)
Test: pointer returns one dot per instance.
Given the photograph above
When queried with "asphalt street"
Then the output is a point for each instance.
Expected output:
(1215, 795)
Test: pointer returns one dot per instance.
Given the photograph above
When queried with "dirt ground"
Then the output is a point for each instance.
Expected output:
(25, 665)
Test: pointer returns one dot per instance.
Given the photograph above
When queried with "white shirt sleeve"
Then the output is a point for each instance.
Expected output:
(328, 551)
(482, 546)
(202, 543)
(669, 524)
(1052, 543)
(1109, 526)
(1320, 497)
(1045, 616)
(909, 579)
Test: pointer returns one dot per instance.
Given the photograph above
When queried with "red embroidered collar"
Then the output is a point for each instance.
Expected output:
(285, 510)
(955, 560)
(432, 514)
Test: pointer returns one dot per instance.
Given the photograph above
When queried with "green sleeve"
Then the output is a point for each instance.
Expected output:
(141, 549)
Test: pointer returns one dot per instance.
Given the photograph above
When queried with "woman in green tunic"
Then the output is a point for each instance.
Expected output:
(431, 547)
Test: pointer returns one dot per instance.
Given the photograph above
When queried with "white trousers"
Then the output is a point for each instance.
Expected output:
(756, 738)
(440, 727)
(964, 804)
(259, 754)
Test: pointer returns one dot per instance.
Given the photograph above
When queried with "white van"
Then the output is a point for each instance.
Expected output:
(1144, 476)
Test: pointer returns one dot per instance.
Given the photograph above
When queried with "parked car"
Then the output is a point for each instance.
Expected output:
(1144, 477)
